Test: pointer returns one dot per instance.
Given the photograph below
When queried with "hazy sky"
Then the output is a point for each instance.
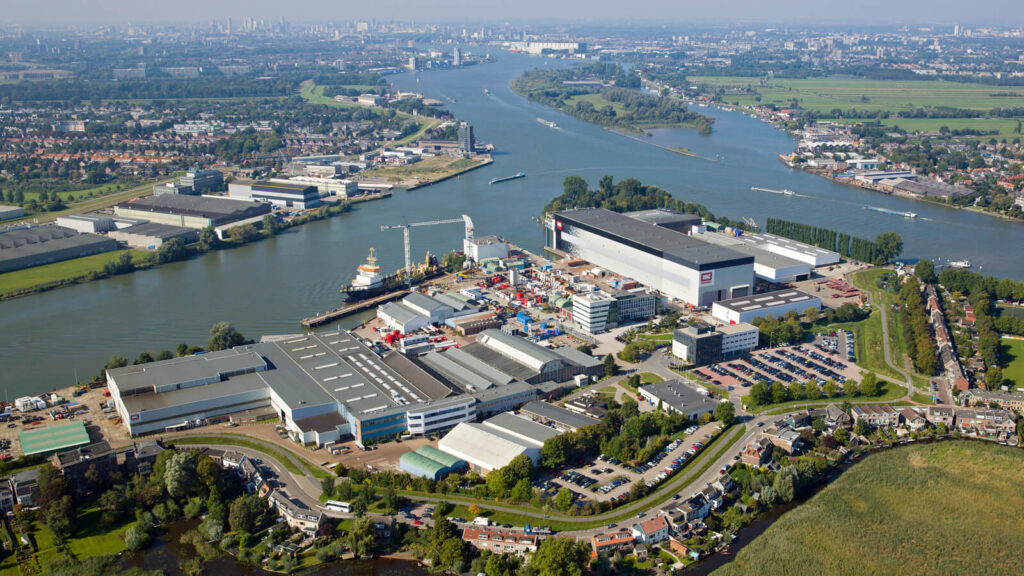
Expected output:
(897, 12)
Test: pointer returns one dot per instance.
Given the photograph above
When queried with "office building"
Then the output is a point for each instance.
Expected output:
(202, 181)
(485, 247)
(671, 262)
(457, 56)
(599, 311)
(776, 303)
(738, 339)
(467, 142)
(172, 188)
(674, 396)
(698, 344)
(25, 246)
(191, 211)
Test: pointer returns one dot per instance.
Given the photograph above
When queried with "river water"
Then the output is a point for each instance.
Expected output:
(266, 287)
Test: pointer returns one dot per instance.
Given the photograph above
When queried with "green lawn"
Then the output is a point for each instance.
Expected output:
(1011, 356)
(868, 343)
(94, 540)
(942, 508)
(60, 271)
(1005, 126)
(598, 101)
(663, 337)
(1010, 310)
(650, 378)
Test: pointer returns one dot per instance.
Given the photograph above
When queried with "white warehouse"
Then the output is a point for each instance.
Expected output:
(776, 303)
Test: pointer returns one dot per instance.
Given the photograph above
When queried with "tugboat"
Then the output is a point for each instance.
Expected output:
(369, 282)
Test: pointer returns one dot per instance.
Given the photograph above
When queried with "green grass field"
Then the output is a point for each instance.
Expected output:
(91, 539)
(650, 378)
(66, 270)
(1010, 310)
(280, 454)
(826, 94)
(890, 392)
(598, 101)
(944, 508)
(1011, 355)
(1004, 126)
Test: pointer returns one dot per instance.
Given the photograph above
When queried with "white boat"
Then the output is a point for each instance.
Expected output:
(960, 264)
(547, 123)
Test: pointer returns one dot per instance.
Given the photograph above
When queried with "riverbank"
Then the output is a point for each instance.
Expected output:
(38, 279)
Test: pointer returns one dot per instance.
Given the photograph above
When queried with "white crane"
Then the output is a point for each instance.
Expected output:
(405, 229)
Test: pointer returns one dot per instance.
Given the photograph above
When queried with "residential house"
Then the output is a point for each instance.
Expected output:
(682, 549)
(784, 437)
(696, 508)
(232, 459)
(758, 453)
(6, 497)
(74, 464)
(986, 422)
(941, 415)
(876, 416)
(25, 486)
(712, 495)
(651, 531)
(835, 418)
(611, 542)
(296, 514)
(912, 419)
(502, 541)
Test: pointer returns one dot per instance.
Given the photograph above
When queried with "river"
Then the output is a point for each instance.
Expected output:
(266, 287)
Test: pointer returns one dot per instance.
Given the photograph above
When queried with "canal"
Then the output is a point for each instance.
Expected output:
(266, 287)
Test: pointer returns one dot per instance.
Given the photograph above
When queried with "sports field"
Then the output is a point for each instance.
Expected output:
(1011, 356)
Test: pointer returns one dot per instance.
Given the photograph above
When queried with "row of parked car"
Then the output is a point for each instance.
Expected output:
(812, 365)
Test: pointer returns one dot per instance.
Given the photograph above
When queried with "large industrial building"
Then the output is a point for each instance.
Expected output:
(191, 211)
(674, 396)
(776, 303)
(11, 212)
(27, 246)
(331, 385)
(151, 236)
(298, 195)
(494, 443)
(652, 251)
(811, 255)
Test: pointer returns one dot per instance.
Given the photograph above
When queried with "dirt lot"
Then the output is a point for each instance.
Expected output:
(96, 422)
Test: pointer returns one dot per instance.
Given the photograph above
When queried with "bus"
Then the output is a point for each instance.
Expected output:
(338, 506)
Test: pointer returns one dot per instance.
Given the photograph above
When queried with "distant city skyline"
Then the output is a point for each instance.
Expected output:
(1005, 13)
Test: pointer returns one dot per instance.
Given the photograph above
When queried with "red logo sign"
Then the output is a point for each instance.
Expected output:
(707, 278)
(135, 417)
(558, 224)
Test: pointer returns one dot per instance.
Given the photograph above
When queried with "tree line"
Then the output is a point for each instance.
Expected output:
(916, 329)
(886, 246)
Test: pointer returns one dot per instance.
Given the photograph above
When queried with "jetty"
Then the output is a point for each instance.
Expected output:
(349, 308)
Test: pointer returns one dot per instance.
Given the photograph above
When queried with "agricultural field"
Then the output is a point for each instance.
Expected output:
(824, 95)
(1006, 127)
(943, 508)
(1011, 355)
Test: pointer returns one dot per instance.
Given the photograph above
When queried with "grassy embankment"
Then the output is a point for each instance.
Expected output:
(944, 508)
(823, 95)
(427, 170)
(287, 458)
(66, 272)
(91, 204)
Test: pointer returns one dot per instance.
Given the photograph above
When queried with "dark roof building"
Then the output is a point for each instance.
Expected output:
(191, 211)
(25, 247)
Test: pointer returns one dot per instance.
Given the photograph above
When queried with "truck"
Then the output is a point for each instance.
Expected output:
(481, 521)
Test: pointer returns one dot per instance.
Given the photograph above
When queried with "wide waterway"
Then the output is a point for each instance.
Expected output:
(266, 287)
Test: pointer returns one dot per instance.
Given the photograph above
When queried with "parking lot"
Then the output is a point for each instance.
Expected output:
(604, 478)
(800, 363)
(86, 407)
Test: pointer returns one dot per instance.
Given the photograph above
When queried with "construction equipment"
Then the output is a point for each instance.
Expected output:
(405, 230)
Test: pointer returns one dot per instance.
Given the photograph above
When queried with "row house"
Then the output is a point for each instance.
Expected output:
(877, 416)
(986, 422)
(296, 514)
(1005, 400)
(611, 542)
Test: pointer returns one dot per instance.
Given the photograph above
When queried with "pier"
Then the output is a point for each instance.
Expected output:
(351, 308)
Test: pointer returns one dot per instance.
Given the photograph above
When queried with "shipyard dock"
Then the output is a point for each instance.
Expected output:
(351, 308)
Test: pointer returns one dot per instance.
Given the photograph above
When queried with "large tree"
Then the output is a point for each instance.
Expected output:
(245, 513)
(561, 557)
(223, 336)
(890, 245)
(925, 272)
(180, 475)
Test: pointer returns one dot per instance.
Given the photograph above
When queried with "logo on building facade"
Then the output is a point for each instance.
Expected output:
(558, 224)
(707, 278)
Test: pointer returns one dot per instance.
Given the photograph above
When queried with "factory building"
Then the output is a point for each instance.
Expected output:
(26, 246)
(282, 194)
(599, 311)
(325, 186)
(485, 448)
(11, 212)
(191, 211)
(87, 223)
(674, 396)
(151, 236)
(776, 303)
(202, 181)
(331, 385)
(678, 265)
(429, 462)
(556, 416)
(485, 247)
(417, 311)
(811, 255)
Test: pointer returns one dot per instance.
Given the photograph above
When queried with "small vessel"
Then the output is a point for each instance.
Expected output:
(960, 264)
(907, 214)
(507, 178)
(547, 123)
(486, 92)
(784, 191)
(369, 282)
